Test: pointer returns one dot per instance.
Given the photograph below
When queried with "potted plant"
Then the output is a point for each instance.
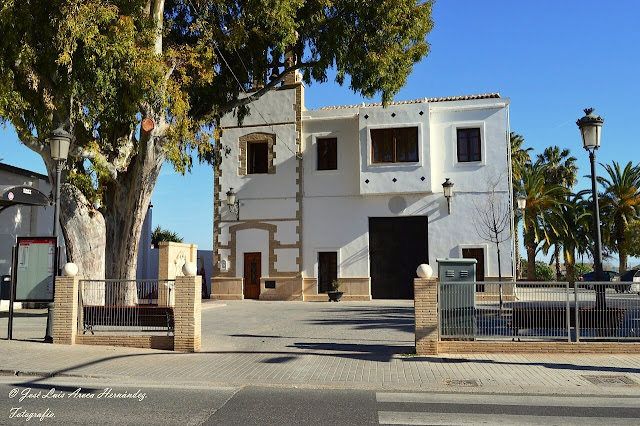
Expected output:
(334, 293)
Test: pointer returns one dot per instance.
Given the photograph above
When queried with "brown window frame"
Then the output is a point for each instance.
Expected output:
(329, 162)
(251, 167)
(472, 157)
(395, 136)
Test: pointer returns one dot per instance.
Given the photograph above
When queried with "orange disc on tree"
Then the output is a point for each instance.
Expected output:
(147, 124)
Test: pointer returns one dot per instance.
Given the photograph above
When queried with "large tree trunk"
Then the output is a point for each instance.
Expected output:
(622, 246)
(531, 261)
(570, 264)
(84, 233)
(558, 273)
(127, 201)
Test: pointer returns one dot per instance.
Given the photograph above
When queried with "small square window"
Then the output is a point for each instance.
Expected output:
(469, 145)
(327, 150)
(257, 157)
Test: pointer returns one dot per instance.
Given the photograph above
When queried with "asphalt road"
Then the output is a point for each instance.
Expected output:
(74, 401)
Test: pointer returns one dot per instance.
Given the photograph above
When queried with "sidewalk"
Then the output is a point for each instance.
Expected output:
(342, 345)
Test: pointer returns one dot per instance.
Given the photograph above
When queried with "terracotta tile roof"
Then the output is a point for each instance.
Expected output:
(419, 101)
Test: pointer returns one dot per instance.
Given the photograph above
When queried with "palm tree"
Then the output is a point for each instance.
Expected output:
(620, 205)
(542, 214)
(577, 217)
(519, 157)
(561, 170)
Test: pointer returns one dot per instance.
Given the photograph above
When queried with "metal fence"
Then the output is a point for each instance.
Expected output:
(539, 311)
(126, 306)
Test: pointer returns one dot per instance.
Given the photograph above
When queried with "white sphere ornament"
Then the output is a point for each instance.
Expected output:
(70, 270)
(424, 271)
(189, 269)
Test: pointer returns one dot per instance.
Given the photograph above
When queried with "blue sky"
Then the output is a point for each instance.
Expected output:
(551, 58)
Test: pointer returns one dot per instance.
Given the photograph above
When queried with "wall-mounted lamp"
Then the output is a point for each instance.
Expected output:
(447, 186)
(233, 203)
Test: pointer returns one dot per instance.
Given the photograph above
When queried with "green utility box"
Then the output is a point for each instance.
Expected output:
(457, 298)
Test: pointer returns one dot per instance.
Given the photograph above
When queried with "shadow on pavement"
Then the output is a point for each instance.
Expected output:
(397, 319)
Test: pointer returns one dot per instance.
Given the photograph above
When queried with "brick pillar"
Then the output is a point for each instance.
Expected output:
(65, 317)
(187, 313)
(426, 315)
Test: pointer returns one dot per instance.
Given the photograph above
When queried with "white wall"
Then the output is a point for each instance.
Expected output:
(252, 241)
(280, 187)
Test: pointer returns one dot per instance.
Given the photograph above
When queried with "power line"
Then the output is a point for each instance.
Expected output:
(236, 78)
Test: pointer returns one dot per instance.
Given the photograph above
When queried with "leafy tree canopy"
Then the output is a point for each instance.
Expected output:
(101, 67)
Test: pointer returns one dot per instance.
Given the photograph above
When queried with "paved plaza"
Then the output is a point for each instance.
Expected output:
(342, 345)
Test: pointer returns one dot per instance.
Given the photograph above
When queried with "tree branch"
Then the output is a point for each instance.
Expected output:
(256, 95)
(97, 158)
(26, 137)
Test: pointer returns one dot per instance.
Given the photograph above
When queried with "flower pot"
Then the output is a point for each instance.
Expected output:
(334, 296)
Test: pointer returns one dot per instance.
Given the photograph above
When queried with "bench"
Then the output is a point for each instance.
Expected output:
(555, 317)
(128, 316)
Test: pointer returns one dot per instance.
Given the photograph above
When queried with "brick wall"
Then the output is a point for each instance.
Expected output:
(426, 315)
(187, 313)
(65, 317)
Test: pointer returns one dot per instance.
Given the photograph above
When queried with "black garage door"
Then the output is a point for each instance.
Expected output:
(397, 245)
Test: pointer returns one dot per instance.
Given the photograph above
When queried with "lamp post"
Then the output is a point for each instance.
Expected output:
(590, 128)
(59, 140)
(447, 187)
(233, 203)
(521, 204)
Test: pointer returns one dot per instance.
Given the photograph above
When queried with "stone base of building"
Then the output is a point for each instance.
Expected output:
(227, 288)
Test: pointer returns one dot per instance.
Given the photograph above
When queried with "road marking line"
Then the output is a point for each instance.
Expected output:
(525, 400)
(412, 418)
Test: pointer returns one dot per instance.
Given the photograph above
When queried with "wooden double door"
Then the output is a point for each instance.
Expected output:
(252, 274)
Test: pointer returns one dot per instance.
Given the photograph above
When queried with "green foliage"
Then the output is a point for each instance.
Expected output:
(544, 272)
(162, 235)
(94, 64)
(633, 237)
(620, 208)
(581, 269)
(561, 167)
(335, 285)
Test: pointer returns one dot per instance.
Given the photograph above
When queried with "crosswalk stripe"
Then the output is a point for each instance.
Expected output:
(413, 418)
(528, 400)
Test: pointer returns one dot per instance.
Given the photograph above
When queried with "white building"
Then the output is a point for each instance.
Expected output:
(354, 193)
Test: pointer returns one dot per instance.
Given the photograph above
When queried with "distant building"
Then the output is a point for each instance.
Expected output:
(354, 193)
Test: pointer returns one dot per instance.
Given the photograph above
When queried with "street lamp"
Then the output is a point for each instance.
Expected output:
(59, 141)
(447, 187)
(590, 128)
(233, 203)
(521, 202)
